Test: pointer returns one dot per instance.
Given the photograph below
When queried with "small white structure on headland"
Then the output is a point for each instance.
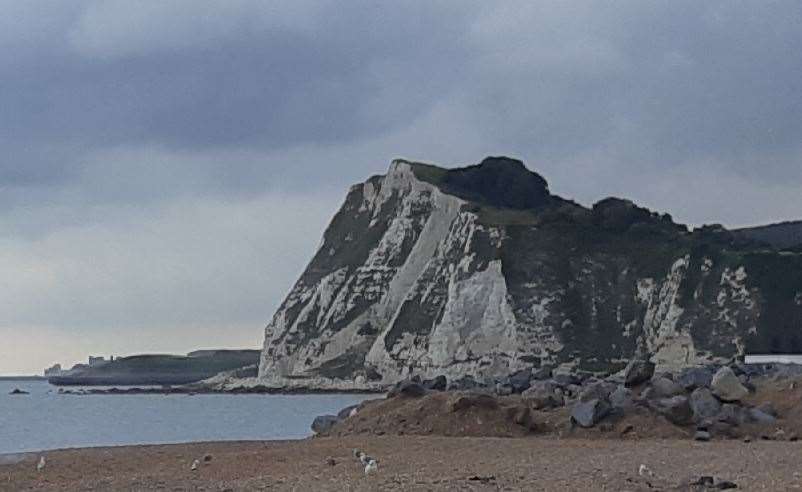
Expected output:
(773, 359)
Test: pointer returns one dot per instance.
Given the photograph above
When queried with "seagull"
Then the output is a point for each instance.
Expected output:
(371, 467)
(195, 465)
(41, 465)
(644, 471)
(365, 459)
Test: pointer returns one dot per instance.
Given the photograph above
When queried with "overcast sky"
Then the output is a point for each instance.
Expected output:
(168, 167)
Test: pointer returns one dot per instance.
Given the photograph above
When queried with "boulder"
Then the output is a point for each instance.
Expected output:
(439, 383)
(621, 397)
(17, 391)
(665, 388)
(503, 389)
(638, 371)
(598, 390)
(588, 413)
(695, 377)
(473, 400)
(767, 407)
(347, 412)
(565, 379)
(324, 423)
(542, 396)
(464, 383)
(726, 386)
(701, 435)
(409, 388)
(759, 416)
(704, 405)
(542, 373)
(676, 409)
(520, 381)
(731, 414)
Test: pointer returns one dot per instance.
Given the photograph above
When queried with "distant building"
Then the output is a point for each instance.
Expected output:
(96, 361)
(56, 370)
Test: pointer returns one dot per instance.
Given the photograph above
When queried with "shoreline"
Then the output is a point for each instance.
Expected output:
(412, 463)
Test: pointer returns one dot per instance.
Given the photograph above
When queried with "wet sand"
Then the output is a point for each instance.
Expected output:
(415, 463)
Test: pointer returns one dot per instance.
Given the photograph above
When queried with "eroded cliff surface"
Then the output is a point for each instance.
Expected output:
(481, 271)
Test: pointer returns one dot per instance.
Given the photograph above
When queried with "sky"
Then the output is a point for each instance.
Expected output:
(168, 167)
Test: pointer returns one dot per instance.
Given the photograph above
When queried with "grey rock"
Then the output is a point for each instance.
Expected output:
(621, 397)
(439, 383)
(768, 408)
(676, 409)
(598, 390)
(542, 398)
(346, 412)
(703, 404)
(464, 383)
(324, 423)
(520, 381)
(695, 377)
(542, 373)
(665, 388)
(701, 435)
(565, 379)
(731, 414)
(760, 417)
(503, 389)
(588, 413)
(409, 389)
(726, 386)
(638, 371)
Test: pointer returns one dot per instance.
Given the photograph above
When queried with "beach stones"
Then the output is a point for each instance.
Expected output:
(638, 371)
(676, 409)
(703, 404)
(409, 388)
(663, 387)
(695, 377)
(621, 398)
(588, 413)
(439, 383)
(599, 390)
(726, 385)
(324, 423)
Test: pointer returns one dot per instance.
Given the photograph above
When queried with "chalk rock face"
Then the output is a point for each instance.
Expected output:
(482, 272)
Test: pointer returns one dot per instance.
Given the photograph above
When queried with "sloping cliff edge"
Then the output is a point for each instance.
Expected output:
(481, 272)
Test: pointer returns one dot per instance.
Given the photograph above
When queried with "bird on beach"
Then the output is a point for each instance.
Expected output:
(371, 467)
(644, 471)
(195, 465)
(41, 465)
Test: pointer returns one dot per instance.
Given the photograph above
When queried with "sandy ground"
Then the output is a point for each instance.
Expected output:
(416, 463)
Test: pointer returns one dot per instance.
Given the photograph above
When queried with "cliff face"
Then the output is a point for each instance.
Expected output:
(482, 271)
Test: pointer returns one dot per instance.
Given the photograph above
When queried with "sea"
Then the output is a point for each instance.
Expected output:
(46, 420)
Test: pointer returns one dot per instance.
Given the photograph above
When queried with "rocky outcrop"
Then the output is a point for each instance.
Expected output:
(480, 273)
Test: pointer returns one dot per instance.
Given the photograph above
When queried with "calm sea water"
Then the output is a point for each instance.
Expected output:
(46, 420)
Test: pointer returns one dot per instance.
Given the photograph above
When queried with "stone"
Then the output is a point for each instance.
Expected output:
(542, 373)
(463, 384)
(759, 416)
(207, 458)
(695, 377)
(731, 414)
(638, 371)
(768, 408)
(541, 398)
(331, 462)
(676, 409)
(727, 387)
(408, 389)
(666, 388)
(588, 413)
(503, 389)
(17, 391)
(565, 379)
(703, 404)
(471, 400)
(598, 390)
(621, 397)
(324, 423)
(701, 435)
(520, 381)
(439, 383)
(347, 412)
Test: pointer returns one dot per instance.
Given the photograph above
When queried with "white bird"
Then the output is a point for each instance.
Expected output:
(41, 465)
(365, 459)
(644, 471)
(195, 465)
(371, 467)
